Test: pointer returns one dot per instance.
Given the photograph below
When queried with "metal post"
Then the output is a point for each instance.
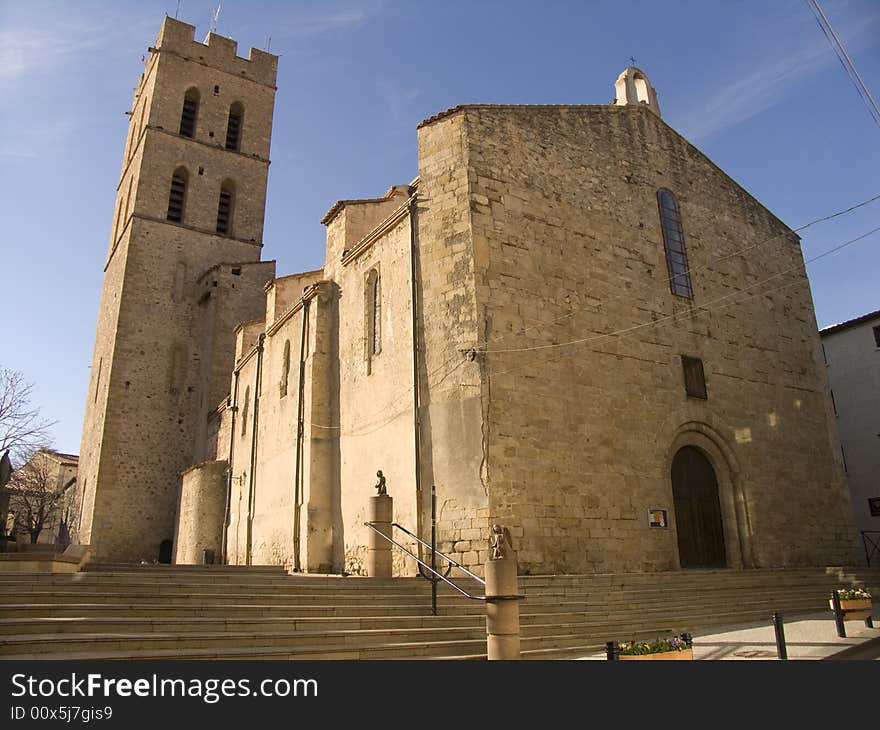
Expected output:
(869, 623)
(778, 628)
(838, 614)
(434, 578)
(611, 651)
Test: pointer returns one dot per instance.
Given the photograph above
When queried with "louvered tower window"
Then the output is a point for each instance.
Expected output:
(224, 210)
(233, 127)
(177, 195)
(673, 240)
(189, 113)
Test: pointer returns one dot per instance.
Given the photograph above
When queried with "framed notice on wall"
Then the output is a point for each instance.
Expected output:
(657, 518)
(874, 506)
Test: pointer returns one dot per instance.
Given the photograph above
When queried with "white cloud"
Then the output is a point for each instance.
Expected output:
(398, 100)
(770, 81)
(317, 24)
(24, 51)
(304, 23)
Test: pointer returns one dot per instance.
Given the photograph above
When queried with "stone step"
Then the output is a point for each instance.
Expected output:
(142, 610)
(94, 567)
(528, 610)
(132, 625)
(230, 612)
(218, 593)
(399, 649)
(531, 626)
(45, 644)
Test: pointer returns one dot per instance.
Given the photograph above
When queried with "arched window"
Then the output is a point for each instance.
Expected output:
(285, 369)
(189, 113)
(641, 89)
(233, 127)
(373, 315)
(177, 195)
(673, 241)
(244, 410)
(224, 208)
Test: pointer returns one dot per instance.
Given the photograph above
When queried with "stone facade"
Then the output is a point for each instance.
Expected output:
(506, 329)
(567, 249)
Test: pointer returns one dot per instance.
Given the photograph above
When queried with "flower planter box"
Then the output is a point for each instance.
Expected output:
(684, 655)
(854, 609)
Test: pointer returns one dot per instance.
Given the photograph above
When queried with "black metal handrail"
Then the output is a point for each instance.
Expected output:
(440, 576)
(874, 542)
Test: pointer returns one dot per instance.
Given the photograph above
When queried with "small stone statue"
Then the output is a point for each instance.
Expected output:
(500, 542)
(380, 485)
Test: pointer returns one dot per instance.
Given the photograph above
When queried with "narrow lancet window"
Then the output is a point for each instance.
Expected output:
(244, 410)
(224, 209)
(233, 127)
(673, 241)
(373, 316)
(177, 195)
(189, 113)
(285, 369)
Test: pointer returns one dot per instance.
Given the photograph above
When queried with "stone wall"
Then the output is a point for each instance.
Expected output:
(580, 436)
(201, 507)
(454, 456)
(375, 394)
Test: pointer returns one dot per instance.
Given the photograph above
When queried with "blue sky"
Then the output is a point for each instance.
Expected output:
(753, 84)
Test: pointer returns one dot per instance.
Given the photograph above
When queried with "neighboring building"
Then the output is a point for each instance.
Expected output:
(852, 353)
(565, 323)
(43, 495)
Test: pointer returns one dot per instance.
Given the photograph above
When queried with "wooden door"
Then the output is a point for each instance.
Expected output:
(697, 510)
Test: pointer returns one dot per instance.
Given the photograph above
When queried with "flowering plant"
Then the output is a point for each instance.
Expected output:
(676, 643)
(853, 594)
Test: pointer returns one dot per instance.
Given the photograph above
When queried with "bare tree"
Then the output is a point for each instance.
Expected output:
(22, 430)
(35, 497)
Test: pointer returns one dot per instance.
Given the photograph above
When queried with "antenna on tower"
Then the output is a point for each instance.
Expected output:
(268, 43)
(213, 26)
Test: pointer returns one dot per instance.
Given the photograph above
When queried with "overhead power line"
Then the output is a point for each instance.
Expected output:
(848, 66)
(706, 307)
(482, 346)
(391, 410)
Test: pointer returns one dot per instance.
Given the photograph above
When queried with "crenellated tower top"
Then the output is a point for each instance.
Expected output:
(219, 52)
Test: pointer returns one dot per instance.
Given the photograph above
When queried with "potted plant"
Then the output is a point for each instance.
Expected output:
(854, 602)
(674, 648)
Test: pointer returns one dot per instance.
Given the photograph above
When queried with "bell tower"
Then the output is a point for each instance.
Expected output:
(633, 87)
(191, 196)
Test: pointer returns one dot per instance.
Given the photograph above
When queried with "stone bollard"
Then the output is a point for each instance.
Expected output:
(502, 598)
(381, 514)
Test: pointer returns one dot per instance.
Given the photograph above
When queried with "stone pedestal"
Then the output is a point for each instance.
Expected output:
(380, 512)
(502, 608)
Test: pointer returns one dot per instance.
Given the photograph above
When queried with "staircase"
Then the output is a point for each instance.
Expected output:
(230, 612)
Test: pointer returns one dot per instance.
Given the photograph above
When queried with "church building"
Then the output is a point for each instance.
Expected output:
(570, 322)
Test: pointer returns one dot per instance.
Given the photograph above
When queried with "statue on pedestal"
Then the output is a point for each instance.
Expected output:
(500, 542)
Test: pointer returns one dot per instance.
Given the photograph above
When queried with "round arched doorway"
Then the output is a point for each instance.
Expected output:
(697, 510)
